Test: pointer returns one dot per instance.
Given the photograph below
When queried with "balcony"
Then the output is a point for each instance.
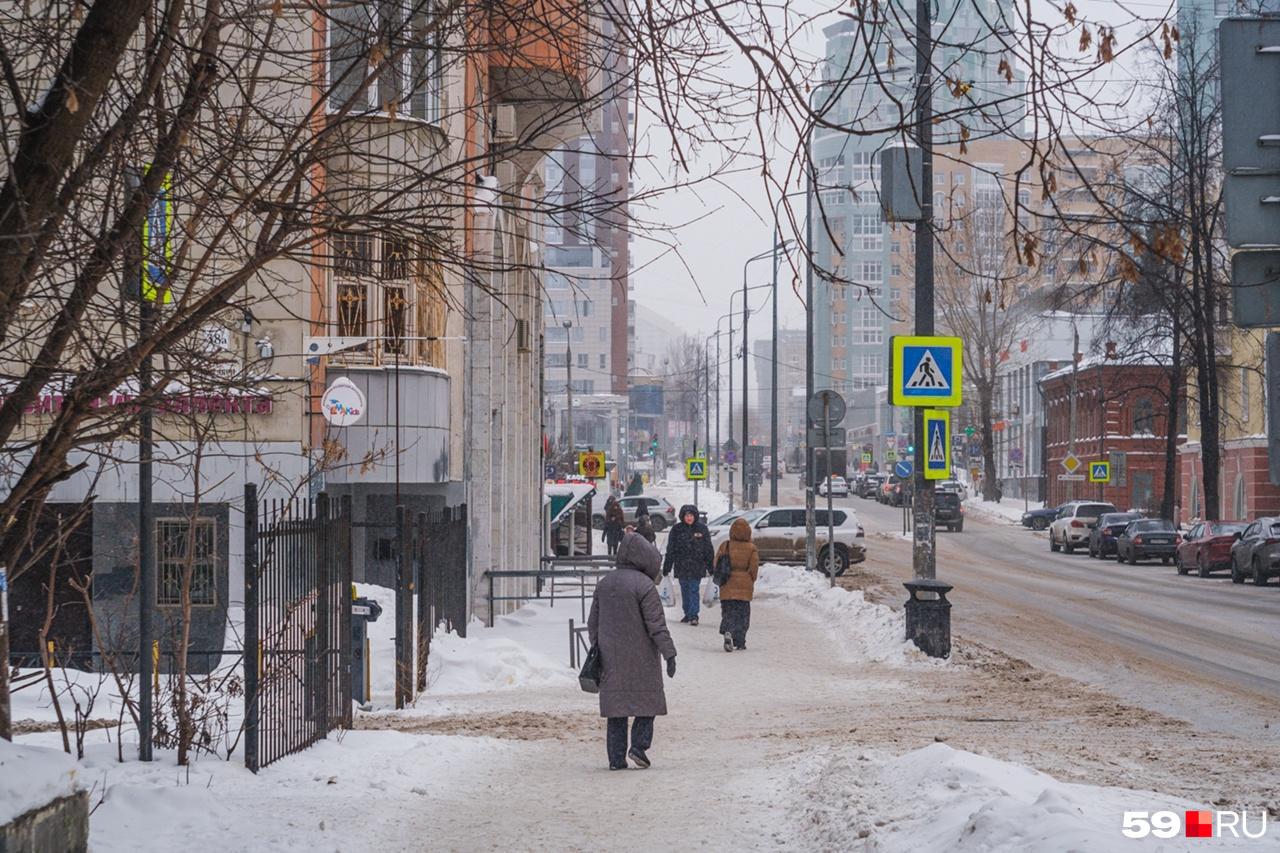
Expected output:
(540, 50)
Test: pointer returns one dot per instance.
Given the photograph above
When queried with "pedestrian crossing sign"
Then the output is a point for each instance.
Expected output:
(925, 370)
(937, 444)
(695, 468)
(1099, 472)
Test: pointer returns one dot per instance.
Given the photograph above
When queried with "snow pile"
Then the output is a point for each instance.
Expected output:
(479, 664)
(943, 800)
(710, 501)
(1010, 510)
(32, 776)
(875, 631)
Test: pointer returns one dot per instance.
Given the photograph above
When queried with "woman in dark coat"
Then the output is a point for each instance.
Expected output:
(644, 527)
(628, 625)
(636, 486)
(690, 554)
(736, 593)
(613, 524)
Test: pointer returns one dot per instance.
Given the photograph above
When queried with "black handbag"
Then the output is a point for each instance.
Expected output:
(592, 668)
(724, 568)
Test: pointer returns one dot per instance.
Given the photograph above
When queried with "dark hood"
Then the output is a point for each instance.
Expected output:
(636, 552)
(687, 508)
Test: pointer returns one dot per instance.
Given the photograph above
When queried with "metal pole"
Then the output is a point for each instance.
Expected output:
(831, 539)
(923, 558)
(810, 543)
(568, 388)
(729, 425)
(773, 395)
(746, 347)
(719, 447)
(146, 538)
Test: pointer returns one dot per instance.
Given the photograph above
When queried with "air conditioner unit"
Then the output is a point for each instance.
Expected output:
(523, 343)
(504, 122)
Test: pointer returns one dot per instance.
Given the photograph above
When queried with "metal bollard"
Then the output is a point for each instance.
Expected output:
(929, 619)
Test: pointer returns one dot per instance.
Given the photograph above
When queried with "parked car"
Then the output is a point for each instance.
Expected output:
(1102, 538)
(1039, 519)
(869, 485)
(1256, 552)
(838, 486)
(948, 511)
(902, 492)
(1148, 537)
(1207, 547)
(780, 536)
(885, 494)
(1071, 528)
(661, 513)
(954, 486)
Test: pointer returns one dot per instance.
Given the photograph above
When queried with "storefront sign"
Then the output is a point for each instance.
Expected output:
(181, 404)
(343, 403)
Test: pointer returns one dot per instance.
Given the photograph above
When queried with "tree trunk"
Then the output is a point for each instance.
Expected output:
(1171, 426)
(989, 484)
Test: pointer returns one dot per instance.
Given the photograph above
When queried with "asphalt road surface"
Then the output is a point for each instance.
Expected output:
(1204, 650)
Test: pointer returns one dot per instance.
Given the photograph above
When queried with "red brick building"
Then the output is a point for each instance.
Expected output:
(1120, 418)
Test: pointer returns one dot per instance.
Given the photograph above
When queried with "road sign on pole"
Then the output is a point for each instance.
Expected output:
(1071, 463)
(591, 464)
(937, 444)
(903, 469)
(828, 405)
(925, 370)
(1099, 472)
(695, 468)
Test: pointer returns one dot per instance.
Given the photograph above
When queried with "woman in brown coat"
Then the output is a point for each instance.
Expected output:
(735, 595)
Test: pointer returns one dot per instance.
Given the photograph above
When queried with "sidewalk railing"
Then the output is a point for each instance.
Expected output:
(550, 581)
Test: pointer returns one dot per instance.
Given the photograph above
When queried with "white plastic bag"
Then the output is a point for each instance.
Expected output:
(710, 593)
(666, 592)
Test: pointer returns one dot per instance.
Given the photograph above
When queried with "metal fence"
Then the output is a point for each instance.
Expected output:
(440, 575)
(297, 593)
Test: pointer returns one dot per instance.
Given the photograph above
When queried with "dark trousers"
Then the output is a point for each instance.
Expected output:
(689, 589)
(735, 619)
(616, 740)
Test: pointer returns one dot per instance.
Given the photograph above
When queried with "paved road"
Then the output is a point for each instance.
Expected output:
(1205, 650)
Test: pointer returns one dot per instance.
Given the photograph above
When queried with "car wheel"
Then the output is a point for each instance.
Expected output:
(1182, 569)
(1236, 577)
(1067, 546)
(841, 561)
(960, 527)
(659, 523)
(1039, 523)
(1165, 561)
(1053, 543)
(1259, 573)
(1201, 569)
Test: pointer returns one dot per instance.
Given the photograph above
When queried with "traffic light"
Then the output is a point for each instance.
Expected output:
(911, 448)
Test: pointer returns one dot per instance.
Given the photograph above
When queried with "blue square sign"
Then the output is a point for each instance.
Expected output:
(925, 371)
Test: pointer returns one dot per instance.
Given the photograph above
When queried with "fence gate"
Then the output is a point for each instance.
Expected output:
(297, 599)
(431, 563)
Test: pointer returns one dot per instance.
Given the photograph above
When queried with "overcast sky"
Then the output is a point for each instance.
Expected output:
(728, 219)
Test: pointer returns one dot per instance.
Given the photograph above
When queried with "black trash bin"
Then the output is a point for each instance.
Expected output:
(929, 619)
(363, 611)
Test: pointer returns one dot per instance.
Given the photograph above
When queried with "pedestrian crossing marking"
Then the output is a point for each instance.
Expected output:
(937, 431)
(927, 374)
(1099, 472)
(695, 468)
(937, 455)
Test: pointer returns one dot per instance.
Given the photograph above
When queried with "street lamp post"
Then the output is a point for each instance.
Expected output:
(746, 349)
(568, 384)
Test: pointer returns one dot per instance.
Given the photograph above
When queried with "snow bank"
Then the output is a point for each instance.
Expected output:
(710, 501)
(460, 665)
(31, 776)
(943, 800)
(874, 631)
(1010, 510)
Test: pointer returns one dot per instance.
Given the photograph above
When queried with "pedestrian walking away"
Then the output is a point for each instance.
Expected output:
(689, 555)
(644, 527)
(614, 521)
(636, 486)
(737, 591)
(628, 625)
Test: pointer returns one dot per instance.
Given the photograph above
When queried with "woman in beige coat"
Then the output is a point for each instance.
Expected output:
(735, 595)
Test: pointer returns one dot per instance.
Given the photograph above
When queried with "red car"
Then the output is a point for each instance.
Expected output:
(1207, 547)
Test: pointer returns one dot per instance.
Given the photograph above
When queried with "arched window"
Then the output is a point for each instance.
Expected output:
(1241, 504)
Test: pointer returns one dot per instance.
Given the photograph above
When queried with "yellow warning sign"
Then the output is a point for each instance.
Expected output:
(591, 464)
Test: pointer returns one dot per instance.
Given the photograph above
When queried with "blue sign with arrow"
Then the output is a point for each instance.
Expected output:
(904, 468)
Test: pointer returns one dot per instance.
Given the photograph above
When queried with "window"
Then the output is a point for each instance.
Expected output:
(604, 361)
(557, 359)
(868, 232)
(865, 166)
(897, 269)
(895, 295)
(832, 198)
(183, 544)
(394, 314)
(408, 72)
(1144, 417)
(873, 336)
(870, 271)
(582, 359)
(959, 178)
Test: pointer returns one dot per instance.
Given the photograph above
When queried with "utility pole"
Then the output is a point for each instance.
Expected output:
(568, 387)
(923, 556)
(810, 535)
(746, 316)
(773, 394)
(719, 447)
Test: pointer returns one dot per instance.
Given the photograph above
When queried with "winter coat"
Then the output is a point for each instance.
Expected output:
(745, 560)
(689, 550)
(636, 486)
(644, 527)
(628, 624)
(613, 522)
